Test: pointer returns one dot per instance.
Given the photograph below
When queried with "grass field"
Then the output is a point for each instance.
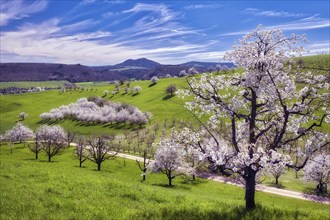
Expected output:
(290, 182)
(151, 99)
(36, 189)
(52, 84)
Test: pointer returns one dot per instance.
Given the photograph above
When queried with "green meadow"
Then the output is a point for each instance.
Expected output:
(37, 189)
(152, 98)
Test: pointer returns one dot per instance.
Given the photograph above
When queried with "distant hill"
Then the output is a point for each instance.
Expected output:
(207, 64)
(139, 63)
(139, 69)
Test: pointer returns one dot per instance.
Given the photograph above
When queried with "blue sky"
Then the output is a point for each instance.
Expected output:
(103, 32)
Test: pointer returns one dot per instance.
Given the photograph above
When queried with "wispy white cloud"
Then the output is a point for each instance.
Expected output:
(202, 6)
(301, 24)
(318, 47)
(271, 13)
(50, 41)
(18, 9)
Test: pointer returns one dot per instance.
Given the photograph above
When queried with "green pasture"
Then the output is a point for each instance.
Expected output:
(29, 84)
(152, 98)
(37, 189)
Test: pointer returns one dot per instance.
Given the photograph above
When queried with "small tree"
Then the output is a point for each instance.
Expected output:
(22, 115)
(318, 170)
(276, 167)
(171, 89)
(154, 80)
(192, 71)
(99, 151)
(218, 68)
(168, 159)
(137, 89)
(35, 147)
(82, 151)
(143, 167)
(70, 136)
(105, 92)
(183, 73)
(52, 139)
(19, 133)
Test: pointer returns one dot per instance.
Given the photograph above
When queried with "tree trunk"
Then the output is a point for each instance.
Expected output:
(276, 181)
(99, 166)
(49, 157)
(36, 154)
(250, 188)
(144, 173)
(169, 176)
(193, 176)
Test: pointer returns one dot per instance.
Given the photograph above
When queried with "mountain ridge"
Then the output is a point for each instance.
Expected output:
(141, 68)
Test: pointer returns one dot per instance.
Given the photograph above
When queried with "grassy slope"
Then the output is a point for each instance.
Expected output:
(32, 84)
(152, 99)
(33, 189)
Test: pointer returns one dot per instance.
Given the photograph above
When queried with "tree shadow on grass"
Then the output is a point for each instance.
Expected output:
(168, 97)
(196, 182)
(312, 193)
(135, 94)
(82, 167)
(51, 122)
(224, 211)
(46, 161)
(174, 186)
(152, 84)
(278, 186)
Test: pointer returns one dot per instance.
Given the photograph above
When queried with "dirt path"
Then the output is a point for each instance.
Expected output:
(260, 187)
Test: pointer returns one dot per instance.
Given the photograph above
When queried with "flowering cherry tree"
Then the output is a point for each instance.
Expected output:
(168, 158)
(52, 139)
(22, 115)
(19, 133)
(318, 170)
(154, 79)
(137, 89)
(192, 71)
(98, 111)
(266, 111)
(276, 167)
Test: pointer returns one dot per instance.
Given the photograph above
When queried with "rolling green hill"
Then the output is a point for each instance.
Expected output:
(36, 189)
(151, 99)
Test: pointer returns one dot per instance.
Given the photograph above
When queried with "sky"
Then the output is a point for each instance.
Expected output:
(106, 32)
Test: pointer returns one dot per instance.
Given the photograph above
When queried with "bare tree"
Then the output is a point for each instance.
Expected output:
(171, 89)
(82, 151)
(100, 151)
(143, 167)
(36, 147)
(70, 137)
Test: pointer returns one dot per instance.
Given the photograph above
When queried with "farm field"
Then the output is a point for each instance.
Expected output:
(36, 189)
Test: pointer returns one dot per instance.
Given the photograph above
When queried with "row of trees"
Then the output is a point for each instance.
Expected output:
(50, 139)
(97, 110)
